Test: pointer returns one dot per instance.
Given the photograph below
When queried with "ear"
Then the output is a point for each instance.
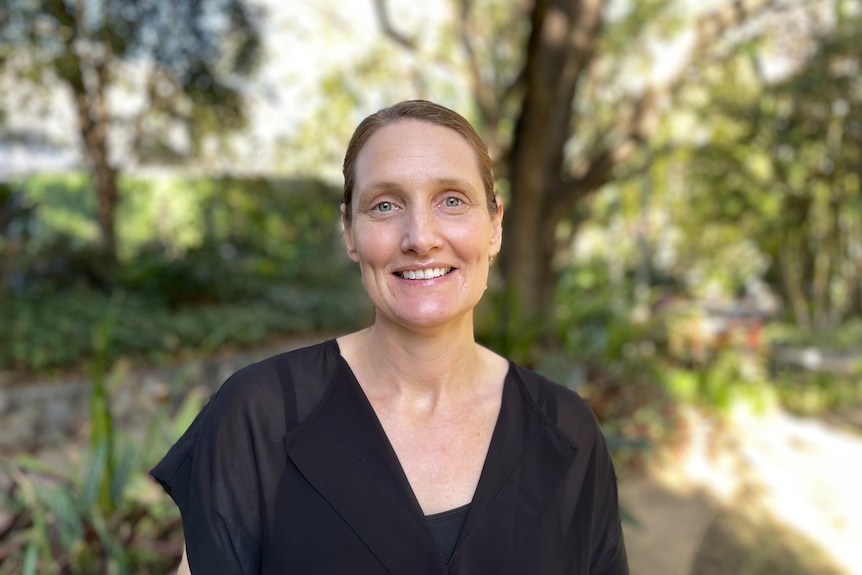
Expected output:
(347, 234)
(497, 228)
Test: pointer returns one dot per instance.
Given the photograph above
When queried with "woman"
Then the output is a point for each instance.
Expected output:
(406, 447)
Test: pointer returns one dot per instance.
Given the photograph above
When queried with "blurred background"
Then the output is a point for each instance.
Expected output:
(683, 246)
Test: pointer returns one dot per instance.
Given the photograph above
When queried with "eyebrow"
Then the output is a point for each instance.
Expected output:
(383, 185)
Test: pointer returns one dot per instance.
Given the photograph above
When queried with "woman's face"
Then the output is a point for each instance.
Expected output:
(421, 229)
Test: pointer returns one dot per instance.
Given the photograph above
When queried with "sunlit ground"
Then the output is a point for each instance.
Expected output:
(759, 495)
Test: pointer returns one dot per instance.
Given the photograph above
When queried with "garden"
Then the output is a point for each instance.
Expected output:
(213, 267)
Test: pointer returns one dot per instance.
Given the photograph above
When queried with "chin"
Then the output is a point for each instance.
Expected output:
(430, 319)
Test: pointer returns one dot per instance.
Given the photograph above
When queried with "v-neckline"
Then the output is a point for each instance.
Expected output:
(342, 450)
(390, 449)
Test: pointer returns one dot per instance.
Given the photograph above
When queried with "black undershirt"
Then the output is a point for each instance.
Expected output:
(446, 527)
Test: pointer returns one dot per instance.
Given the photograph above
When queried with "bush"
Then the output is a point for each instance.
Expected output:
(203, 263)
(54, 332)
(58, 525)
(97, 512)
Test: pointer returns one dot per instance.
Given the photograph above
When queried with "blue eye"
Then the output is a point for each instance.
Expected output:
(384, 207)
(452, 202)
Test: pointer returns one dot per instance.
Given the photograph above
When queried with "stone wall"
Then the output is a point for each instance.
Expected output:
(46, 414)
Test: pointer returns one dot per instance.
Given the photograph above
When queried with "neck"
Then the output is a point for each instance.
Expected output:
(431, 364)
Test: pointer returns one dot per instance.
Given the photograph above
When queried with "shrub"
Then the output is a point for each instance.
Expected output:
(203, 262)
(97, 512)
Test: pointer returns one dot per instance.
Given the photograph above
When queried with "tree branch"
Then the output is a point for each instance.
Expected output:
(639, 125)
(486, 99)
(380, 9)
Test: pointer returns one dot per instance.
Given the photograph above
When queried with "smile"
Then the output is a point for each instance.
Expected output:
(426, 274)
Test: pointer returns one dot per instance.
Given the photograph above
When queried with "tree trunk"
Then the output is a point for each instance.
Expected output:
(793, 279)
(93, 118)
(93, 128)
(794, 259)
(561, 45)
(88, 80)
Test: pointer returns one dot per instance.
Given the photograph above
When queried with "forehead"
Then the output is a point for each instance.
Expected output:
(411, 150)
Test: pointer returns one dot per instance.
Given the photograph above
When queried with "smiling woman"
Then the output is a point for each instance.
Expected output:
(405, 447)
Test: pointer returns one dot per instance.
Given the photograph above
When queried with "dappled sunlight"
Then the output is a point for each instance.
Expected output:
(747, 540)
(757, 493)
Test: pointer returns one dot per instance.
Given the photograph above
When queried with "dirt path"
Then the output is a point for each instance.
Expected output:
(762, 494)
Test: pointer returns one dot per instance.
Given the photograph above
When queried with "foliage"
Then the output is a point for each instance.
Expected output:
(750, 189)
(52, 332)
(784, 153)
(729, 377)
(817, 371)
(59, 526)
(618, 355)
(203, 261)
(844, 339)
(96, 511)
(803, 374)
(816, 392)
(179, 64)
(184, 60)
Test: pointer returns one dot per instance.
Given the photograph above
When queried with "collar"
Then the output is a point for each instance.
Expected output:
(344, 453)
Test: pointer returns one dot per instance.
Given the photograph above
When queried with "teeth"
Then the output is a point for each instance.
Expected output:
(426, 274)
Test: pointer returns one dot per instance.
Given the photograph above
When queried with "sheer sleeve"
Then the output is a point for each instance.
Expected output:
(598, 484)
(609, 554)
(223, 472)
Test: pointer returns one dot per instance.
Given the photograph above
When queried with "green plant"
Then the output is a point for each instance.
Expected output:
(224, 261)
(808, 393)
(729, 377)
(62, 523)
(95, 511)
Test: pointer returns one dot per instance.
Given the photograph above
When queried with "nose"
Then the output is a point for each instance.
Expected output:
(421, 234)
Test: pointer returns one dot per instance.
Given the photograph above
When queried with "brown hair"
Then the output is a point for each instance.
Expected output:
(422, 111)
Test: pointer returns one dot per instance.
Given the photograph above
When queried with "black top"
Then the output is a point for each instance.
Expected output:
(281, 470)
(446, 527)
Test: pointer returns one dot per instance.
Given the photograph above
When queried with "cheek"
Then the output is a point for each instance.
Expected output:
(477, 241)
(369, 247)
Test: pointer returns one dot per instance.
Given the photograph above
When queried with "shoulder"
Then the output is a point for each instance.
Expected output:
(276, 384)
(224, 470)
(559, 406)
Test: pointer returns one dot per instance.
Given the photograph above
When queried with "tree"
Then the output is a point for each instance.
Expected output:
(183, 61)
(786, 154)
(585, 100)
